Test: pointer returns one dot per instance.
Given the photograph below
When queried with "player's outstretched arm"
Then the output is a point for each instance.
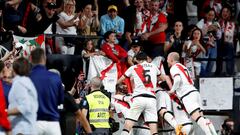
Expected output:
(176, 84)
(121, 79)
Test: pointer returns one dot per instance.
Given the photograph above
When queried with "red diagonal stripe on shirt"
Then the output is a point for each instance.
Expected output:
(140, 72)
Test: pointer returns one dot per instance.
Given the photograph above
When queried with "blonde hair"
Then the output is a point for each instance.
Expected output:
(68, 1)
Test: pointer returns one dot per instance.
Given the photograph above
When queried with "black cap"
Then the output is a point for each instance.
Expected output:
(51, 5)
(136, 42)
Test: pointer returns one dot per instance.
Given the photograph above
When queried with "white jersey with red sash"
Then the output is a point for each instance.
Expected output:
(186, 84)
(145, 78)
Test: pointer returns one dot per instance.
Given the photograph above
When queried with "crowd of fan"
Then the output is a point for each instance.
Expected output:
(156, 27)
(160, 25)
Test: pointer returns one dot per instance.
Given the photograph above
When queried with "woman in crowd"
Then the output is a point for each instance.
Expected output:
(89, 22)
(174, 42)
(227, 47)
(88, 51)
(210, 28)
(194, 49)
(23, 102)
(67, 44)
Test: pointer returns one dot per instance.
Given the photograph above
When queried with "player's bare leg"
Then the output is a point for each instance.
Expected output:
(127, 127)
(153, 128)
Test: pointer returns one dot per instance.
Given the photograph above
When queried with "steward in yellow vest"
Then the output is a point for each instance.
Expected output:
(98, 109)
(96, 106)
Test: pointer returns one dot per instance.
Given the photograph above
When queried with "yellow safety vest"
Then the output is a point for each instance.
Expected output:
(98, 109)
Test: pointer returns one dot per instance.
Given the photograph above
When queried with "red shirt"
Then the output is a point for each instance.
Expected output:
(153, 24)
(4, 122)
(108, 50)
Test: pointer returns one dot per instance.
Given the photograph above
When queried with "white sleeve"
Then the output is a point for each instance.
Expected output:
(129, 72)
(176, 84)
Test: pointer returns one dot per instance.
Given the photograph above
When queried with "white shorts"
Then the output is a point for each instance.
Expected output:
(2, 132)
(192, 102)
(163, 101)
(145, 106)
(48, 128)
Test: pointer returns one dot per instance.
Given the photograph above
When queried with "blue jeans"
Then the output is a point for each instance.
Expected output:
(206, 66)
(212, 53)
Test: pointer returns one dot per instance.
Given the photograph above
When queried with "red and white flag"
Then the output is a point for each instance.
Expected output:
(104, 68)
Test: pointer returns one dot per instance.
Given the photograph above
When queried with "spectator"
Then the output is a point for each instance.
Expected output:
(15, 14)
(210, 29)
(156, 25)
(89, 22)
(113, 51)
(23, 103)
(135, 16)
(67, 43)
(227, 47)
(79, 90)
(136, 48)
(112, 22)
(194, 49)
(81, 4)
(49, 16)
(146, 10)
(175, 40)
(88, 51)
(96, 107)
(4, 122)
(50, 94)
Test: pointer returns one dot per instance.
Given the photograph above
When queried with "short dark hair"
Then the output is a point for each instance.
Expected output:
(37, 55)
(141, 56)
(107, 34)
(21, 66)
